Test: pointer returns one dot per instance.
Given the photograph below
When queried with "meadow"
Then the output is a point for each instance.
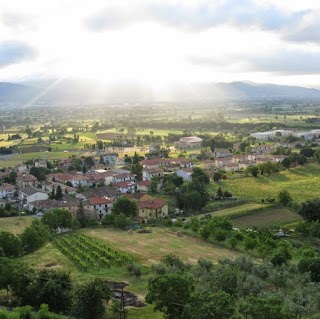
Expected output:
(270, 217)
(15, 225)
(301, 182)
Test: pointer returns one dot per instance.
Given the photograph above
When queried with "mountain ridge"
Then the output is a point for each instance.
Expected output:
(84, 92)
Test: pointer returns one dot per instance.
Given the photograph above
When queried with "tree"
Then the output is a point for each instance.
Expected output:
(50, 287)
(59, 194)
(310, 210)
(10, 245)
(253, 170)
(200, 174)
(58, 219)
(286, 162)
(317, 155)
(307, 152)
(89, 299)
(121, 220)
(81, 216)
(14, 276)
(204, 305)
(284, 197)
(136, 169)
(35, 236)
(170, 293)
(154, 186)
(126, 206)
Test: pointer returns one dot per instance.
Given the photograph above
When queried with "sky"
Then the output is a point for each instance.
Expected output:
(159, 42)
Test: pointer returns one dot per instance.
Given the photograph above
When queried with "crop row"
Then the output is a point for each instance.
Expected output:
(88, 252)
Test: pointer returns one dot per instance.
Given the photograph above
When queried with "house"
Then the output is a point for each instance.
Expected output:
(123, 177)
(154, 163)
(207, 164)
(221, 162)
(268, 135)
(6, 191)
(80, 180)
(222, 154)
(232, 167)
(125, 187)
(189, 142)
(152, 208)
(149, 174)
(143, 186)
(102, 205)
(105, 191)
(246, 164)
(239, 158)
(262, 148)
(109, 158)
(278, 158)
(21, 168)
(26, 180)
(185, 173)
(40, 163)
(67, 202)
(30, 195)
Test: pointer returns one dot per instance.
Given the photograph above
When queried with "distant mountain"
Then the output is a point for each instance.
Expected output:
(68, 92)
(11, 93)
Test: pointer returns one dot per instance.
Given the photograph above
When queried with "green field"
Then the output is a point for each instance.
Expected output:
(15, 225)
(20, 158)
(270, 217)
(301, 182)
(147, 249)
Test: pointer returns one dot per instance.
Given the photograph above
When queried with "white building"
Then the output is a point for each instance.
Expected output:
(189, 142)
(6, 191)
(29, 195)
(269, 135)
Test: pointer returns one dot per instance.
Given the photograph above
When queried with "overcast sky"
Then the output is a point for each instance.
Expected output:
(160, 42)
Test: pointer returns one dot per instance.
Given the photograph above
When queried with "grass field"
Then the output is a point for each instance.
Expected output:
(301, 182)
(20, 158)
(270, 217)
(15, 225)
(148, 249)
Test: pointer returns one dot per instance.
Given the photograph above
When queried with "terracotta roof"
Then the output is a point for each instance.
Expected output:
(124, 175)
(155, 203)
(123, 184)
(28, 178)
(144, 183)
(100, 200)
(6, 186)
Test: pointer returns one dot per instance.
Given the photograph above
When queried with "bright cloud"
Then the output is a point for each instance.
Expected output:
(160, 42)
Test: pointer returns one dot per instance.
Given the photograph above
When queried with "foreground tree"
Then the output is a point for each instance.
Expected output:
(284, 197)
(126, 206)
(310, 210)
(89, 300)
(170, 293)
(10, 245)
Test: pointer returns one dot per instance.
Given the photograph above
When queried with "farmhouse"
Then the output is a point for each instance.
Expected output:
(102, 205)
(26, 180)
(30, 195)
(189, 142)
(152, 209)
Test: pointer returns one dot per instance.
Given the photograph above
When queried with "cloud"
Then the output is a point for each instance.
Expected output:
(12, 52)
(17, 21)
(288, 62)
(242, 13)
(113, 18)
(282, 62)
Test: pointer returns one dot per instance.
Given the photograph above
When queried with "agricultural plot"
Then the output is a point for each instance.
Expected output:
(15, 225)
(88, 252)
(271, 217)
(149, 248)
(301, 182)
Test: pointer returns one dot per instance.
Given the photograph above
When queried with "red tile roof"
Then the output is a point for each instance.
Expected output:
(100, 200)
(155, 203)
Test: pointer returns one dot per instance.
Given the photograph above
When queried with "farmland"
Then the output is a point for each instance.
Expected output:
(15, 225)
(301, 182)
(147, 249)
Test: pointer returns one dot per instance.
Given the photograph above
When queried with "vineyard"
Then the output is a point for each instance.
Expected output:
(88, 252)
